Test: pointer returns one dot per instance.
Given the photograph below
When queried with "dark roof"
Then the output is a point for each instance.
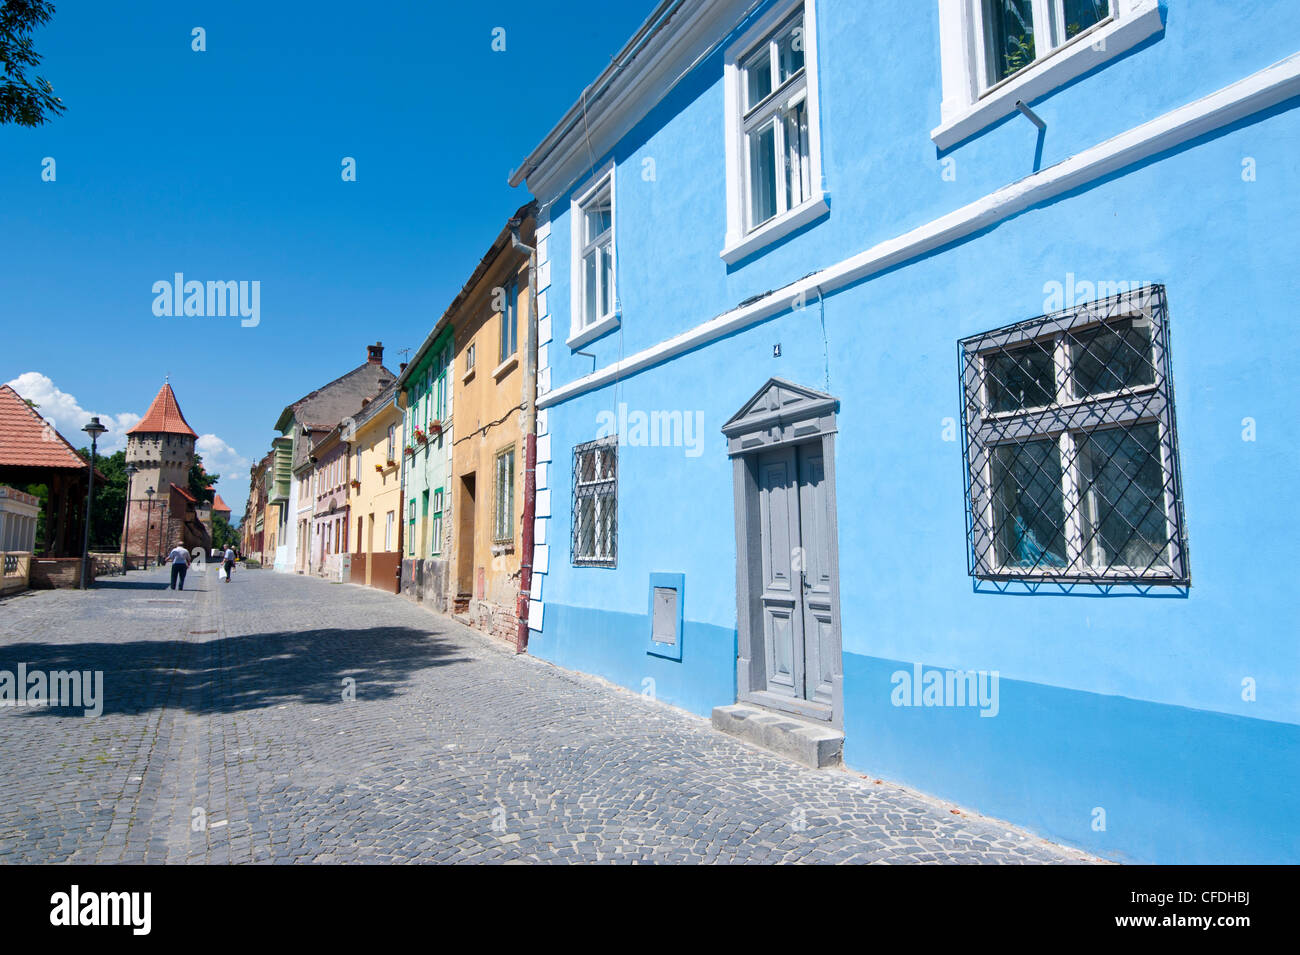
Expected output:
(329, 404)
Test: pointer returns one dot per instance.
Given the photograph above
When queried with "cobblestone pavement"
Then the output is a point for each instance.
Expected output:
(225, 737)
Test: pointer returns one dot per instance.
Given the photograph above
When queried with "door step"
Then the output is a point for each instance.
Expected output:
(812, 745)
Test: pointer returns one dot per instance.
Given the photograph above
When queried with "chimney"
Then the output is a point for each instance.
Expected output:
(375, 353)
(402, 368)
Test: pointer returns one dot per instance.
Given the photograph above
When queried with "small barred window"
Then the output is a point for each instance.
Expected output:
(1071, 449)
(595, 503)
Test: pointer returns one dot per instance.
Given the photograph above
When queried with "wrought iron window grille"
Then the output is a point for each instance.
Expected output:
(595, 504)
(1071, 449)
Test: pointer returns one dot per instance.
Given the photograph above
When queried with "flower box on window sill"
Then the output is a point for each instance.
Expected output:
(379, 467)
(435, 428)
(420, 436)
(356, 484)
(409, 450)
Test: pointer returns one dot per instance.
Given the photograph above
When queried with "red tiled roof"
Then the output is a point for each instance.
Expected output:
(183, 493)
(219, 505)
(27, 440)
(164, 416)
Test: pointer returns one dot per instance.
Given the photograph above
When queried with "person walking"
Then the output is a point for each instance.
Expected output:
(228, 562)
(180, 560)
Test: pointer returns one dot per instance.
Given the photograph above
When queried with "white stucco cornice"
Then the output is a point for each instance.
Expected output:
(623, 94)
(1246, 97)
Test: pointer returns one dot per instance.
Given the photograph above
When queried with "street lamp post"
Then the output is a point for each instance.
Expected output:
(94, 429)
(131, 471)
(148, 528)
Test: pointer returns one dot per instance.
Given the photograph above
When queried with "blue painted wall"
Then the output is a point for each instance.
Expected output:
(1125, 702)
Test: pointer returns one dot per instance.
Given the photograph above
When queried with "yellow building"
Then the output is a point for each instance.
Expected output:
(374, 436)
(492, 405)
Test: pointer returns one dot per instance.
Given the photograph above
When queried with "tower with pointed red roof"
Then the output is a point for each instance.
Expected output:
(161, 446)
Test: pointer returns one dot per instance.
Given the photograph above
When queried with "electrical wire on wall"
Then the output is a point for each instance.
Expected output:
(487, 427)
(826, 348)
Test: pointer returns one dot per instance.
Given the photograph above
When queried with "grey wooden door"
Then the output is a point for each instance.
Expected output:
(796, 600)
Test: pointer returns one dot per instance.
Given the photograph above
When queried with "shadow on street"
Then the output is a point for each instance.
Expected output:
(237, 673)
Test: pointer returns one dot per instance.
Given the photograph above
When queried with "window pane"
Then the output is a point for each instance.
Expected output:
(1079, 15)
(606, 280)
(589, 285)
(1028, 511)
(762, 174)
(789, 50)
(507, 336)
(1021, 378)
(1008, 37)
(1124, 500)
(797, 186)
(1110, 357)
(605, 543)
(599, 216)
(758, 75)
(586, 527)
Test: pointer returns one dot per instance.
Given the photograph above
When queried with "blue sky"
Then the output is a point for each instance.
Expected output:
(225, 165)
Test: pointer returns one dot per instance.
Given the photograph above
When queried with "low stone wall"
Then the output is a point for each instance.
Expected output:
(337, 568)
(107, 563)
(495, 619)
(49, 573)
(425, 581)
(15, 572)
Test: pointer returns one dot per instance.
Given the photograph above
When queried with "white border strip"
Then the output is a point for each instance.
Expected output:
(1255, 93)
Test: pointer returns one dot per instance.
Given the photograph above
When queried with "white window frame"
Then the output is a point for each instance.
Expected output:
(970, 104)
(604, 493)
(742, 241)
(580, 334)
(1083, 565)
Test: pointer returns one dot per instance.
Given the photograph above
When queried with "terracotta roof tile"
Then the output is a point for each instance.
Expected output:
(28, 440)
(219, 505)
(183, 493)
(164, 416)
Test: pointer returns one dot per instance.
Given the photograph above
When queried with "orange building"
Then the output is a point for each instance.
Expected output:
(492, 410)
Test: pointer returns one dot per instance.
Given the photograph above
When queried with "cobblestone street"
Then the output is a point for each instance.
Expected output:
(225, 737)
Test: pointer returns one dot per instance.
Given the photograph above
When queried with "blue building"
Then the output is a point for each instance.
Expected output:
(921, 371)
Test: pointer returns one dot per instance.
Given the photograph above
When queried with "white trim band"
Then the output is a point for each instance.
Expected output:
(1247, 96)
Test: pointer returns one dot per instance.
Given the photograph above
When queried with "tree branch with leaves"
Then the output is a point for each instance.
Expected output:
(22, 101)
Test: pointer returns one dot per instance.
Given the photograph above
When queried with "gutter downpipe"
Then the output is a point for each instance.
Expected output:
(401, 491)
(528, 401)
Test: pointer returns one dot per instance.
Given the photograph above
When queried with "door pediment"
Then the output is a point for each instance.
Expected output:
(781, 412)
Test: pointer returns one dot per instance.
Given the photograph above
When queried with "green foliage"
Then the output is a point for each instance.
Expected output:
(23, 101)
(42, 491)
(201, 482)
(224, 533)
(109, 506)
(1021, 53)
